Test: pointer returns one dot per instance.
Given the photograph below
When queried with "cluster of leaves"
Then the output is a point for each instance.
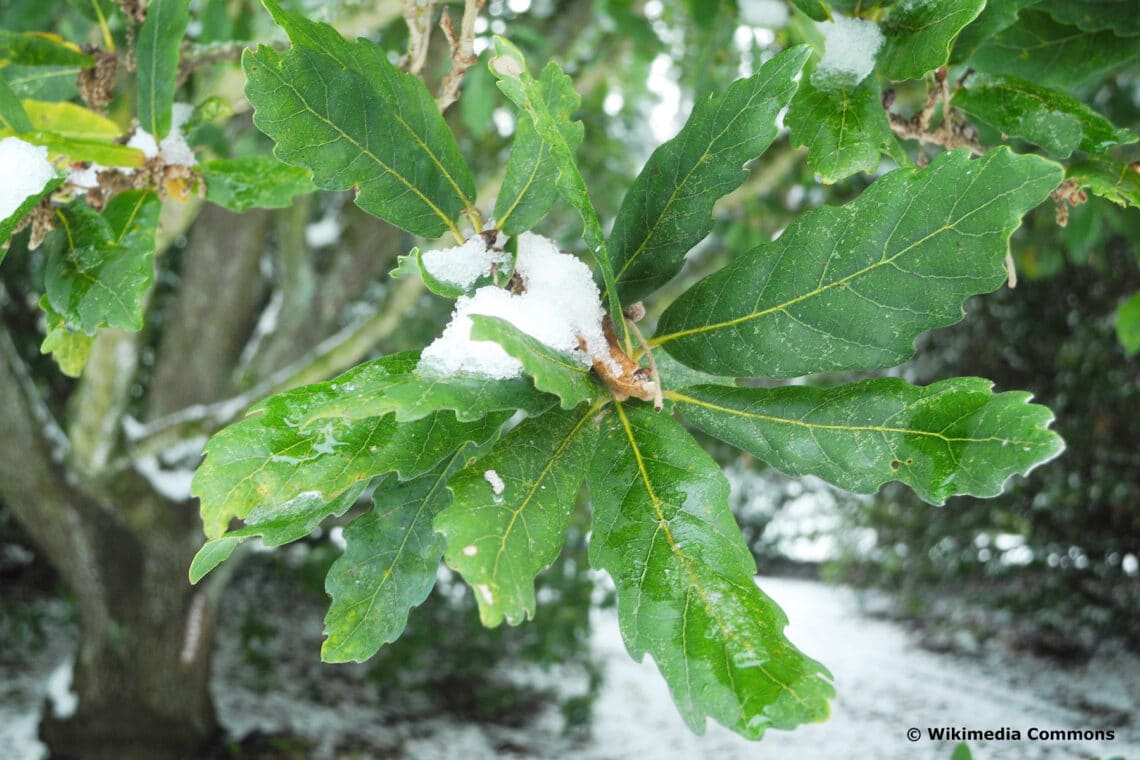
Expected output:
(843, 289)
(98, 267)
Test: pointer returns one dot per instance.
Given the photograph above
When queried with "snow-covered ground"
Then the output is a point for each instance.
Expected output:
(886, 685)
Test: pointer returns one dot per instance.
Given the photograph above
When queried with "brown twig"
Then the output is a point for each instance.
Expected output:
(953, 131)
(417, 15)
(462, 51)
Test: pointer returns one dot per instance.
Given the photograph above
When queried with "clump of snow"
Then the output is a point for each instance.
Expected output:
(560, 302)
(770, 14)
(462, 265)
(85, 179)
(849, 49)
(25, 169)
(496, 482)
(173, 148)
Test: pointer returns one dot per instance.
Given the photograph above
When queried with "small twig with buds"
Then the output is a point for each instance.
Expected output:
(462, 51)
(953, 132)
(417, 15)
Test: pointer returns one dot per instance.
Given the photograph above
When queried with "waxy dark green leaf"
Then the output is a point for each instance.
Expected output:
(1053, 119)
(249, 182)
(664, 532)
(530, 183)
(953, 437)
(920, 35)
(845, 129)
(375, 389)
(1044, 51)
(851, 287)
(552, 371)
(157, 57)
(270, 461)
(499, 540)
(668, 209)
(386, 144)
(100, 274)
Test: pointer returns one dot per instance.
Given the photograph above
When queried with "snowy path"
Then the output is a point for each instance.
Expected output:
(885, 683)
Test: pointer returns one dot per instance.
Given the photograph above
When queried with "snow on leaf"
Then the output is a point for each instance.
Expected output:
(517, 530)
(953, 437)
(851, 287)
(668, 209)
(663, 531)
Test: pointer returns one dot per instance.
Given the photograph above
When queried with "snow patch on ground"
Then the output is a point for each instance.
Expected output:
(25, 170)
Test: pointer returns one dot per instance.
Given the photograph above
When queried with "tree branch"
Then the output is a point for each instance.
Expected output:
(462, 51)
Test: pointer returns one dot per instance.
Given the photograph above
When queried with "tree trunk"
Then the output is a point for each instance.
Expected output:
(143, 665)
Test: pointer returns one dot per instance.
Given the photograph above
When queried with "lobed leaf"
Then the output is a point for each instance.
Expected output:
(851, 287)
(510, 512)
(344, 111)
(156, 53)
(530, 182)
(374, 389)
(68, 346)
(100, 274)
(1119, 183)
(663, 530)
(845, 128)
(553, 372)
(249, 182)
(919, 36)
(953, 437)
(269, 461)
(1053, 119)
(668, 209)
(1040, 49)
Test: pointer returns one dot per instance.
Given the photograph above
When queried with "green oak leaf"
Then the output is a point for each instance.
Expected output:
(1053, 119)
(40, 49)
(996, 16)
(919, 36)
(1121, 17)
(1127, 324)
(530, 182)
(213, 553)
(514, 79)
(953, 437)
(13, 117)
(369, 126)
(41, 82)
(100, 274)
(374, 389)
(249, 182)
(552, 371)
(511, 510)
(845, 129)
(156, 54)
(1119, 183)
(663, 530)
(334, 121)
(816, 10)
(851, 287)
(668, 209)
(1052, 54)
(269, 461)
(68, 345)
(389, 565)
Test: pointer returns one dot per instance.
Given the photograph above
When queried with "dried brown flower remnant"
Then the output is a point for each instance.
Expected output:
(95, 83)
(631, 379)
